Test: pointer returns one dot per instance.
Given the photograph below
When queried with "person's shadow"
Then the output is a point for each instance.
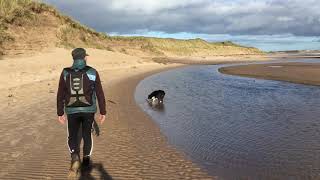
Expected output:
(85, 173)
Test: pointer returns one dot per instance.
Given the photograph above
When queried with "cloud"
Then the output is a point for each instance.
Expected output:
(149, 7)
(235, 17)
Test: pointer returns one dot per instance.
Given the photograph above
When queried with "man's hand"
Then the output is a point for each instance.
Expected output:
(62, 119)
(102, 118)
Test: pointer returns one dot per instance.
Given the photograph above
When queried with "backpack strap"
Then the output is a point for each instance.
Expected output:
(66, 71)
(91, 73)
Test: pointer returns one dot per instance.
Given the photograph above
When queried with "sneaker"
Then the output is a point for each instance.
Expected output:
(75, 165)
(74, 169)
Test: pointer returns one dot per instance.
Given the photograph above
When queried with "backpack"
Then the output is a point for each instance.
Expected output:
(80, 86)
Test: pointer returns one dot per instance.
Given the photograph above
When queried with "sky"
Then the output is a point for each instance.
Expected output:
(270, 25)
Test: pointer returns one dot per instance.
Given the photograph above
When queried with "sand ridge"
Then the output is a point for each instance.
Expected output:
(295, 72)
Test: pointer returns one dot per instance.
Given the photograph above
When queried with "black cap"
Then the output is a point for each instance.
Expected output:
(79, 53)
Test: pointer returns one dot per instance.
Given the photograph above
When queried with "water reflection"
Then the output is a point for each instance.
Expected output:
(239, 128)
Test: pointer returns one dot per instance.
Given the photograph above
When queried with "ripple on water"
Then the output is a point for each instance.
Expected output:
(239, 127)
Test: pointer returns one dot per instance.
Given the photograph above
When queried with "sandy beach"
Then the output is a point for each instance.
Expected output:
(36, 40)
(302, 73)
(131, 146)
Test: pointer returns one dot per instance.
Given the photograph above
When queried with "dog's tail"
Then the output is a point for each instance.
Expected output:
(95, 128)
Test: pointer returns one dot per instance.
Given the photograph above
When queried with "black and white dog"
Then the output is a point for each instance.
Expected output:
(155, 99)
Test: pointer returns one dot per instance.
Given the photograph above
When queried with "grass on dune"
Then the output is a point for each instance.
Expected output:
(25, 13)
(7, 7)
(13, 9)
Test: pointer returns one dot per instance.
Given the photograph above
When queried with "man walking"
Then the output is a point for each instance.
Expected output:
(79, 87)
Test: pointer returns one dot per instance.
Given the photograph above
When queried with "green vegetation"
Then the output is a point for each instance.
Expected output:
(10, 10)
(36, 16)
(170, 46)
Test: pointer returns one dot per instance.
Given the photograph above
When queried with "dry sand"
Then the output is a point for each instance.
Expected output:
(33, 145)
(302, 73)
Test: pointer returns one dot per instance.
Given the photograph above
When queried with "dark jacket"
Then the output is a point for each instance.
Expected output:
(94, 79)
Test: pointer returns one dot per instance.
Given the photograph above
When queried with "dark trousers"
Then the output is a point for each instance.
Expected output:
(79, 127)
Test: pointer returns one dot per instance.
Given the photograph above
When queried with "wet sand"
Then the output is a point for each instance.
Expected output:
(295, 72)
(34, 145)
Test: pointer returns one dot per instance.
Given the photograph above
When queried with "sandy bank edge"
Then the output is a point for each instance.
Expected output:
(147, 140)
(292, 72)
